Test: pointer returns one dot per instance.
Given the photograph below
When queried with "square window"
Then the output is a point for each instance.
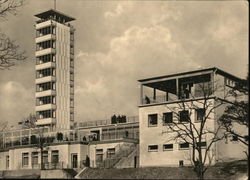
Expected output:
(184, 145)
(184, 116)
(202, 144)
(167, 117)
(153, 148)
(200, 114)
(110, 153)
(152, 120)
(167, 147)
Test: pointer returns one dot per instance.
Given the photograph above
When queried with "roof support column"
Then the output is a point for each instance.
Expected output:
(154, 97)
(141, 92)
(177, 87)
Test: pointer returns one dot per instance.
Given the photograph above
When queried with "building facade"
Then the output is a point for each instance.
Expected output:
(54, 70)
(120, 141)
(174, 98)
(105, 144)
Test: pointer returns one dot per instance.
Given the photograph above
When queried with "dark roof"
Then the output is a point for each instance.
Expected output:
(51, 12)
(219, 71)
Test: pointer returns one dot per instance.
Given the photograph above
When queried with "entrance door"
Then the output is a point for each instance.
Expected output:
(74, 160)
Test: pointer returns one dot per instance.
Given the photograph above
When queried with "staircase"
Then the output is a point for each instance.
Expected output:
(121, 151)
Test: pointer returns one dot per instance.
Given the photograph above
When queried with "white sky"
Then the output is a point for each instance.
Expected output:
(119, 42)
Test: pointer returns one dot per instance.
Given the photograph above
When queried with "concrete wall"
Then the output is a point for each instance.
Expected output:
(227, 149)
(65, 151)
(62, 77)
(160, 134)
(47, 174)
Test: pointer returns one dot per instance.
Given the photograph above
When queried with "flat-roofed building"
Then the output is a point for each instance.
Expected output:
(162, 98)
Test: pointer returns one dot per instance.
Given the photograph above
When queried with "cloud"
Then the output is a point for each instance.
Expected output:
(15, 102)
(107, 83)
(119, 10)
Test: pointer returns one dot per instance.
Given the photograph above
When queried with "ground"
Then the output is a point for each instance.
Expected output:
(230, 171)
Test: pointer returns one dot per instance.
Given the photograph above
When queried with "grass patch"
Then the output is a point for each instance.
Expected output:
(219, 171)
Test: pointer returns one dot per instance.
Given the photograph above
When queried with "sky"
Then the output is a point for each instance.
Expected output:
(120, 42)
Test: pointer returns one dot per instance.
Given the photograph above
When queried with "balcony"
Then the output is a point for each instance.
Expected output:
(45, 107)
(45, 38)
(41, 25)
(45, 51)
(49, 92)
(45, 79)
(45, 121)
(45, 65)
(163, 90)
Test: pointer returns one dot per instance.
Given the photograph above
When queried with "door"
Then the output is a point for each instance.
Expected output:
(74, 160)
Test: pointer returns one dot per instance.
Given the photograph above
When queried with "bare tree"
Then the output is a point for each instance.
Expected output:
(198, 133)
(9, 7)
(38, 138)
(236, 115)
(9, 50)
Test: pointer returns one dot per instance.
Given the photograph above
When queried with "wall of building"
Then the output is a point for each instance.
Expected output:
(227, 149)
(159, 135)
(3, 156)
(65, 151)
(62, 76)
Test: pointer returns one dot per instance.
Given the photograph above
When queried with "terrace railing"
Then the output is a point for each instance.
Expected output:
(129, 119)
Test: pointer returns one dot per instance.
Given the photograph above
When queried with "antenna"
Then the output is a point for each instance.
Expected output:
(55, 4)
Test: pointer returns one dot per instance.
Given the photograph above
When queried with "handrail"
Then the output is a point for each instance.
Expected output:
(129, 119)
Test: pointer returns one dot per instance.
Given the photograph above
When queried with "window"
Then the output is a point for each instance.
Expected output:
(71, 117)
(99, 155)
(167, 117)
(229, 82)
(34, 158)
(55, 156)
(45, 114)
(45, 157)
(25, 159)
(110, 152)
(246, 138)
(202, 144)
(153, 148)
(184, 116)
(167, 147)
(184, 145)
(200, 114)
(7, 162)
(235, 138)
(152, 120)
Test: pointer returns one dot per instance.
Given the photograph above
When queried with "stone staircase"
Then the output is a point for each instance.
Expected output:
(122, 151)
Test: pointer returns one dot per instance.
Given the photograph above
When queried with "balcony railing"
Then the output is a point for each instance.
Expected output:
(48, 165)
(104, 122)
(158, 99)
(68, 136)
